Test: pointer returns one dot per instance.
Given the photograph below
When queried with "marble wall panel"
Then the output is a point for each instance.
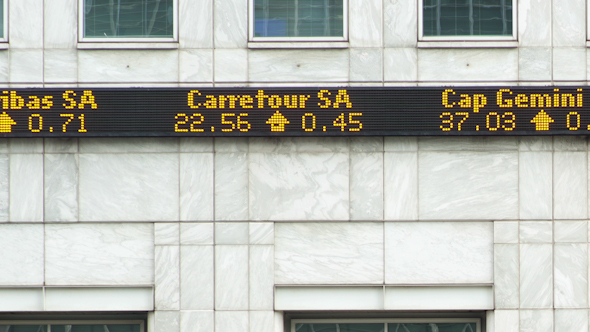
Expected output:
(25, 145)
(400, 28)
(465, 185)
(301, 145)
(196, 186)
(304, 186)
(506, 321)
(535, 63)
(571, 231)
(4, 67)
(506, 276)
(569, 64)
(570, 143)
(468, 64)
(571, 320)
(60, 23)
(534, 28)
(231, 277)
(536, 232)
(195, 65)
(26, 66)
(231, 321)
(231, 186)
(400, 64)
(261, 277)
(60, 66)
(25, 19)
(438, 252)
(536, 276)
(61, 187)
(400, 144)
(365, 23)
(535, 143)
(571, 275)
(366, 144)
(299, 65)
(196, 144)
(109, 66)
(262, 321)
(196, 233)
(128, 187)
(231, 23)
(536, 180)
(506, 232)
(195, 24)
(128, 144)
(329, 253)
(197, 321)
(22, 254)
(536, 320)
(231, 144)
(400, 186)
(167, 277)
(197, 277)
(366, 186)
(167, 321)
(261, 233)
(569, 23)
(231, 233)
(99, 254)
(4, 187)
(231, 65)
(366, 64)
(166, 234)
(570, 185)
(472, 143)
(26, 187)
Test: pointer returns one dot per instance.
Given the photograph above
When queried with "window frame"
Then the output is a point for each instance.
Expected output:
(421, 36)
(477, 321)
(45, 322)
(252, 21)
(118, 40)
(4, 38)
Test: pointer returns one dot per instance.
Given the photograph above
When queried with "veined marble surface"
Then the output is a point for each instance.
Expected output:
(22, 258)
(536, 276)
(329, 253)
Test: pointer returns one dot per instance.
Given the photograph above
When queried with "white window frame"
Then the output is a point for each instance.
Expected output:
(4, 39)
(477, 321)
(252, 38)
(421, 36)
(141, 323)
(117, 40)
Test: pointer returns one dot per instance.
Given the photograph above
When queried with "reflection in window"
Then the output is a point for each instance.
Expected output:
(128, 18)
(467, 17)
(298, 18)
(432, 327)
(2, 19)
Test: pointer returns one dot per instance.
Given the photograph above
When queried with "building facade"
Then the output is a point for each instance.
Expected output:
(272, 234)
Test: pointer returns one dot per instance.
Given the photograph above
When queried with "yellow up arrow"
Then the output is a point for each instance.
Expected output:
(6, 123)
(277, 122)
(542, 121)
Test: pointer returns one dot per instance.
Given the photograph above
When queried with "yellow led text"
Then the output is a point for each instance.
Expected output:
(505, 98)
(476, 101)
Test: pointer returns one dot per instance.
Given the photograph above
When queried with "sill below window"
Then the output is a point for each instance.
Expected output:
(4, 45)
(127, 46)
(281, 45)
(588, 43)
(469, 44)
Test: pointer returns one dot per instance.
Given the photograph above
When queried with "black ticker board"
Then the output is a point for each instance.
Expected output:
(329, 111)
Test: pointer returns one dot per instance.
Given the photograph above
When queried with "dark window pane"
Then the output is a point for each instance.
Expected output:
(358, 327)
(128, 18)
(432, 327)
(467, 17)
(23, 328)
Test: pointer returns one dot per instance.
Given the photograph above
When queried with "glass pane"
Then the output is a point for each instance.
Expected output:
(431, 327)
(298, 18)
(23, 328)
(128, 18)
(467, 17)
(96, 328)
(1, 18)
(368, 327)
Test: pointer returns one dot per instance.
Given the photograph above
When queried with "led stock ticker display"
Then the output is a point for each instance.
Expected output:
(344, 111)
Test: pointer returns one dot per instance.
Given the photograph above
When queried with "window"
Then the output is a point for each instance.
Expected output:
(71, 326)
(128, 20)
(390, 325)
(298, 20)
(3, 20)
(467, 20)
